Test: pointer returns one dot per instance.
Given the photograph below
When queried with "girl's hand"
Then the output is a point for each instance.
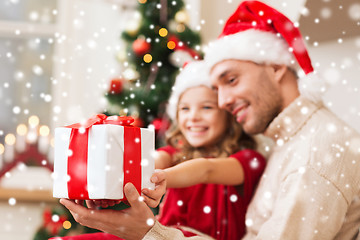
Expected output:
(152, 197)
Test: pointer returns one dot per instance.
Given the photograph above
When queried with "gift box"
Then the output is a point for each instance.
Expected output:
(94, 160)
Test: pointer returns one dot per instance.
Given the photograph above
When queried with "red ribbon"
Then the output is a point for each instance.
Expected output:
(132, 157)
(103, 119)
(77, 159)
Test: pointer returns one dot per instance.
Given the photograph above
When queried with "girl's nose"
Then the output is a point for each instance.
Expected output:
(194, 114)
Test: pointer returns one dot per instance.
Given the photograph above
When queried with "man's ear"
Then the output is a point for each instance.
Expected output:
(279, 71)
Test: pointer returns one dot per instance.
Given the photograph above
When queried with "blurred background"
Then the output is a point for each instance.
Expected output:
(63, 61)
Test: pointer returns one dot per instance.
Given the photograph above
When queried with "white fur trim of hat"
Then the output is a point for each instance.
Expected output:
(251, 45)
(193, 75)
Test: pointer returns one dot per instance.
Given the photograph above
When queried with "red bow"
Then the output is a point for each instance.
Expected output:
(103, 119)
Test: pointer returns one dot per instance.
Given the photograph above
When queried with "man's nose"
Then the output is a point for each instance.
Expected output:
(225, 100)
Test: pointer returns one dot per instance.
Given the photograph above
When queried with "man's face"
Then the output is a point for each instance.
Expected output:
(249, 91)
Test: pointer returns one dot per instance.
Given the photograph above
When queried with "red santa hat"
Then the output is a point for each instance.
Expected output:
(259, 33)
(193, 74)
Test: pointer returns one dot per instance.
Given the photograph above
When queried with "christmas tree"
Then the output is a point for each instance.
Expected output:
(159, 42)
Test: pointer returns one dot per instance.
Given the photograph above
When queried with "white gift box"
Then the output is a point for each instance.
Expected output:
(105, 164)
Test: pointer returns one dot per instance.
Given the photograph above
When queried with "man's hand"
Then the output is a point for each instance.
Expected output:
(104, 203)
(152, 197)
(131, 224)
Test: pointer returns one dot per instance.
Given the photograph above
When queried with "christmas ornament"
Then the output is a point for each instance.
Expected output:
(53, 222)
(116, 86)
(147, 58)
(182, 17)
(141, 47)
(171, 45)
(133, 26)
(160, 124)
(172, 25)
(130, 74)
(180, 28)
(163, 32)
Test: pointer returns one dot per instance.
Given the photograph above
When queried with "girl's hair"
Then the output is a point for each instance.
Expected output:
(233, 139)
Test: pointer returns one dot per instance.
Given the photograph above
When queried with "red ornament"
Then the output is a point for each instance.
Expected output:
(116, 86)
(160, 124)
(53, 225)
(141, 47)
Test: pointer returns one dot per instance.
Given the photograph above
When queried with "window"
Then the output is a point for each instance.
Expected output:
(56, 57)
(27, 31)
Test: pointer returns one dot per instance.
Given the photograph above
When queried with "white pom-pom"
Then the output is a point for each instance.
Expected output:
(312, 86)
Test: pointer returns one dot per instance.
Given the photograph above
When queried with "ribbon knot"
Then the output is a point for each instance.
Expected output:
(103, 119)
(119, 120)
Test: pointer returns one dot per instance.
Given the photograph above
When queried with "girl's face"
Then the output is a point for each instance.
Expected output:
(200, 119)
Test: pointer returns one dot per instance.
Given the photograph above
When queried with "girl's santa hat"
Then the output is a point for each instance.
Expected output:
(256, 32)
(193, 74)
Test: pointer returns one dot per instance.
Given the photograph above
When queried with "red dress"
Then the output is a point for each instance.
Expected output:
(214, 209)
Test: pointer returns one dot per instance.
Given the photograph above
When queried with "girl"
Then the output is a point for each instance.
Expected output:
(211, 169)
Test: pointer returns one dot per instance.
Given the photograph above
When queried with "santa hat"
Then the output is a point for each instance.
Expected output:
(256, 32)
(194, 74)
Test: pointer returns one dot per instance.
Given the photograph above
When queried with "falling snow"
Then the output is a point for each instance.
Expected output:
(26, 88)
(150, 222)
(207, 209)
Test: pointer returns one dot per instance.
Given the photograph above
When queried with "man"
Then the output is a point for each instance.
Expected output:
(311, 186)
